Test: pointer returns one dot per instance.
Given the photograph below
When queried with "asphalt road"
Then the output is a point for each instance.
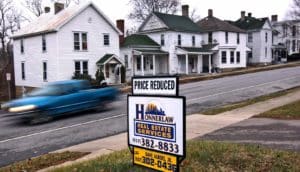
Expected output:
(19, 141)
(272, 133)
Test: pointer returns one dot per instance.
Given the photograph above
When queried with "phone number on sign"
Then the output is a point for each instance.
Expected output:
(162, 146)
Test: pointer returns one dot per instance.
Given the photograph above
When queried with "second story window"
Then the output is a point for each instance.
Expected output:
(250, 37)
(226, 37)
(23, 70)
(126, 61)
(238, 38)
(179, 40)
(294, 31)
(22, 46)
(106, 40)
(80, 41)
(210, 37)
(162, 39)
(44, 43)
(266, 37)
(193, 41)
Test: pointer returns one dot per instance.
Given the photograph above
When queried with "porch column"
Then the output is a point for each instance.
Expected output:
(104, 71)
(199, 64)
(187, 64)
(142, 65)
(154, 66)
(209, 63)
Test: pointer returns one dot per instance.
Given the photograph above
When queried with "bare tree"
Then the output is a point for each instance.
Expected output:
(194, 15)
(142, 8)
(35, 6)
(295, 9)
(67, 2)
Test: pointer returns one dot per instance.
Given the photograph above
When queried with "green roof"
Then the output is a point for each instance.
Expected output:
(178, 23)
(151, 51)
(140, 40)
(104, 58)
(207, 48)
(250, 23)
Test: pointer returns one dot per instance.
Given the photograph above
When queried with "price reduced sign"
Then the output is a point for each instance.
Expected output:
(156, 127)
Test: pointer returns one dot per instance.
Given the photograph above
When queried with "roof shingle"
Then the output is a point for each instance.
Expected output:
(140, 40)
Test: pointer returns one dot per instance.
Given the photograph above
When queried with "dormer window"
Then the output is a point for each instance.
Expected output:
(266, 37)
(238, 38)
(106, 39)
(226, 37)
(210, 37)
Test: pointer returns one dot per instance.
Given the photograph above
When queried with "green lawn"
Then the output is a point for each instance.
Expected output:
(203, 156)
(290, 111)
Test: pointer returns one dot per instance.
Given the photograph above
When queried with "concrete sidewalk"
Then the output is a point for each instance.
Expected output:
(197, 125)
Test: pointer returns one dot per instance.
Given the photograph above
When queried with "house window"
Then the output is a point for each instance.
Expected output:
(81, 67)
(224, 58)
(294, 31)
(138, 63)
(45, 77)
(22, 45)
(210, 37)
(266, 37)
(23, 70)
(294, 45)
(126, 61)
(250, 37)
(231, 57)
(193, 41)
(238, 57)
(226, 37)
(266, 52)
(80, 41)
(162, 39)
(285, 30)
(238, 38)
(106, 39)
(44, 44)
(179, 40)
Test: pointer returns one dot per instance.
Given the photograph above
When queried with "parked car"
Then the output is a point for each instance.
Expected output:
(60, 98)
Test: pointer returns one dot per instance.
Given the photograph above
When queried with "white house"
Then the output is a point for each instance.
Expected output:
(286, 38)
(62, 42)
(230, 41)
(259, 38)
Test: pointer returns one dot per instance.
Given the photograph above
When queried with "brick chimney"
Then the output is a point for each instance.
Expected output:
(185, 10)
(47, 9)
(243, 15)
(58, 7)
(249, 14)
(274, 18)
(120, 26)
(210, 13)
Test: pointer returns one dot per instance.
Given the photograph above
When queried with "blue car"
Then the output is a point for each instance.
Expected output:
(59, 98)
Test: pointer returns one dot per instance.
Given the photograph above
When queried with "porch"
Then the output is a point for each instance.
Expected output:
(149, 62)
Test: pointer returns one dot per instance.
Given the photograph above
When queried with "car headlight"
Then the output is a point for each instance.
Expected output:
(22, 108)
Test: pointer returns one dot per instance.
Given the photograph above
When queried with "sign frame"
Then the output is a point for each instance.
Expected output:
(180, 157)
(176, 78)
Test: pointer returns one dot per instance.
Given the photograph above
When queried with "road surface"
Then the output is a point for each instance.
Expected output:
(19, 141)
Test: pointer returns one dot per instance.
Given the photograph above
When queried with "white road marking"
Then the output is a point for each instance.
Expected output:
(62, 128)
(239, 89)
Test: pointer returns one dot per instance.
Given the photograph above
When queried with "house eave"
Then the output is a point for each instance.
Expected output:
(32, 34)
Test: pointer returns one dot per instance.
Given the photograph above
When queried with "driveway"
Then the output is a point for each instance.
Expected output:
(272, 133)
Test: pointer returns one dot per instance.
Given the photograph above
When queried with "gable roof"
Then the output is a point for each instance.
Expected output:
(50, 22)
(250, 23)
(175, 22)
(212, 24)
(106, 58)
(140, 40)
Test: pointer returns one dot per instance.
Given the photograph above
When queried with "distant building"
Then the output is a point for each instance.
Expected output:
(286, 38)
(64, 42)
(231, 49)
(259, 38)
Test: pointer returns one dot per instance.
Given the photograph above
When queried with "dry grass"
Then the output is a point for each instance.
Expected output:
(290, 111)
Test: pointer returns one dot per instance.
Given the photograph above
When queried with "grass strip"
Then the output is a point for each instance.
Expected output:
(233, 106)
(203, 156)
(44, 161)
(289, 111)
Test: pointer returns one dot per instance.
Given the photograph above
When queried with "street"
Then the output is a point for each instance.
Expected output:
(19, 141)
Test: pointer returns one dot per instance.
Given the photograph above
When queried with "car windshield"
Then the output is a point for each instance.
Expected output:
(50, 90)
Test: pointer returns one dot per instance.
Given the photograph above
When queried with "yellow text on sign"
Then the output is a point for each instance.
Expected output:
(155, 160)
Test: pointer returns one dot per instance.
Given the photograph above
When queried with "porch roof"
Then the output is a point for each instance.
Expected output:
(205, 49)
(106, 58)
(150, 51)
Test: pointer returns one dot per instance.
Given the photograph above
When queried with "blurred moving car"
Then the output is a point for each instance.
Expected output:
(60, 98)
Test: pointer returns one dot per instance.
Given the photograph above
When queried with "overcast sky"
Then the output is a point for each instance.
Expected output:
(223, 9)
